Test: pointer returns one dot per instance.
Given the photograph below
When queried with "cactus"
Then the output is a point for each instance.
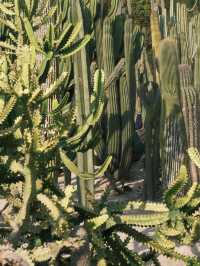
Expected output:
(197, 70)
(156, 38)
(82, 90)
(113, 135)
(172, 124)
(34, 149)
(190, 107)
(117, 124)
(128, 96)
(151, 102)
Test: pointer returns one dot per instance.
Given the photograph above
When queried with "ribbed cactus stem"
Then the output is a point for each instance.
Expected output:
(151, 102)
(113, 110)
(82, 91)
(171, 9)
(156, 38)
(172, 124)
(131, 7)
(182, 33)
(190, 107)
(197, 70)
(127, 120)
(101, 125)
(99, 36)
(128, 97)
(113, 8)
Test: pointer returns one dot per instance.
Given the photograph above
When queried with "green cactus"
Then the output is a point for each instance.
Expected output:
(82, 90)
(128, 97)
(197, 70)
(150, 95)
(190, 103)
(33, 149)
(113, 111)
(172, 124)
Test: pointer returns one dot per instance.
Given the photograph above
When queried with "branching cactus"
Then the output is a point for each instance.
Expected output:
(29, 148)
(172, 125)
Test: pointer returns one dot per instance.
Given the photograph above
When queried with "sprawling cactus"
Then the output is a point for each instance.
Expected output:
(22, 115)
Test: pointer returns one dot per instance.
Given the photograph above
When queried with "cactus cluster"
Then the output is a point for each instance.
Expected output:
(120, 37)
(173, 66)
(68, 102)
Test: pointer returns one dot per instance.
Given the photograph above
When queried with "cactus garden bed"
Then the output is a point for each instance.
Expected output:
(99, 133)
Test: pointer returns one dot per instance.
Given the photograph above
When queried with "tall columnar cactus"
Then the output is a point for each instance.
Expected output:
(197, 70)
(184, 29)
(190, 107)
(120, 36)
(128, 95)
(82, 95)
(172, 124)
(151, 107)
(113, 110)
(151, 102)
(156, 38)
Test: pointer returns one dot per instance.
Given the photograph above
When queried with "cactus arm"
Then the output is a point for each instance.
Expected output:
(194, 155)
(5, 10)
(50, 205)
(183, 201)
(51, 90)
(28, 194)
(74, 48)
(144, 220)
(176, 187)
(104, 167)
(31, 35)
(7, 109)
(8, 24)
(73, 35)
(61, 105)
(44, 67)
(117, 72)
(63, 37)
(8, 46)
(69, 164)
(113, 8)
(11, 130)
